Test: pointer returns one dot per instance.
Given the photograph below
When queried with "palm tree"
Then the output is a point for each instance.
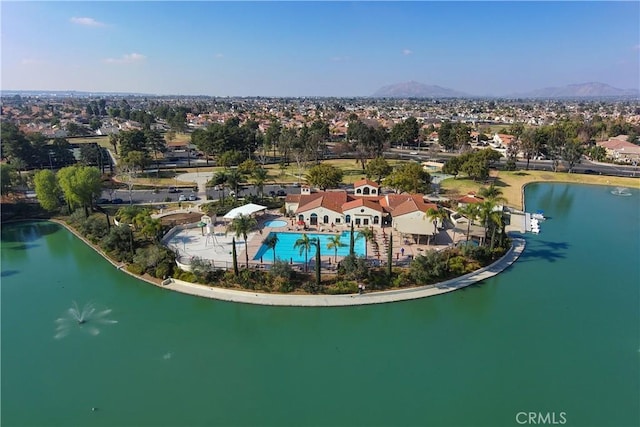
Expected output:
(469, 211)
(241, 225)
(491, 192)
(368, 234)
(335, 244)
(435, 215)
(270, 242)
(220, 179)
(233, 179)
(304, 243)
(260, 175)
(485, 211)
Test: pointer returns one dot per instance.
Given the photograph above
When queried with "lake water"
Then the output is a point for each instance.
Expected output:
(557, 332)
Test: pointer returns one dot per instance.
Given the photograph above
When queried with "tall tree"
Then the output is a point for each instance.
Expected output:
(352, 242)
(304, 243)
(241, 226)
(529, 145)
(234, 256)
(368, 234)
(156, 144)
(270, 242)
(378, 169)
(335, 244)
(260, 176)
(324, 176)
(318, 263)
(390, 257)
(47, 189)
(471, 212)
(410, 178)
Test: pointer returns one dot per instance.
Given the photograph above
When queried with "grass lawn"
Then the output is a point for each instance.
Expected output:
(511, 183)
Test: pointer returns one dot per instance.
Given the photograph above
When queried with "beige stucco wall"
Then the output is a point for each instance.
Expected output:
(368, 214)
(321, 212)
(413, 223)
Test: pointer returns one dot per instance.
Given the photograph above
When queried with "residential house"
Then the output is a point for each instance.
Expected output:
(620, 150)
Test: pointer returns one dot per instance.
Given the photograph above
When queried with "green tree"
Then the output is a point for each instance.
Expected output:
(47, 189)
(270, 242)
(260, 176)
(133, 140)
(241, 225)
(572, 153)
(597, 153)
(234, 256)
(80, 185)
(156, 144)
(368, 234)
(529, 145)
(233, 179)
(471, 212)
(318, 264)
(335, 244)
(435, 215)
(352, 241)
(324, 176)
(7, 178)
(378, 169)
(304, 245)
(410, 178)
(390, 257)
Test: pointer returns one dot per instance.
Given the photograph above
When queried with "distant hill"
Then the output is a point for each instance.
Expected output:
(417, 90)
(582, 90)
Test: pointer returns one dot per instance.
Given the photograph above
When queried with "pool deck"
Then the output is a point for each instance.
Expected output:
(247, 297)
(191, 242)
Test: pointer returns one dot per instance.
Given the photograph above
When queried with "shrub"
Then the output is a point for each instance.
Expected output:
(480, 253)
(186, 276)
(282, 284)
(342, 287)
(281, 269)
(135, 269)
(457, 265)
(163, 271)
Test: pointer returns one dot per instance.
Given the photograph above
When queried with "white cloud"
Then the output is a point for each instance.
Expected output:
(31, 61)
(219, 55)
(126, 59)
(87, 22)
(407, 52)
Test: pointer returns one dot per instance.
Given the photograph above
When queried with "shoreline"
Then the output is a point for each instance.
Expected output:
(316, 300)
(379, 297)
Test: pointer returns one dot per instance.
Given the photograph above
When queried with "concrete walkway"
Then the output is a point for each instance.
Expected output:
(248, 297)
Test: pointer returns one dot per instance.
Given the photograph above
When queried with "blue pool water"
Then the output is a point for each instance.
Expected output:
(275, 223)
(286, 252)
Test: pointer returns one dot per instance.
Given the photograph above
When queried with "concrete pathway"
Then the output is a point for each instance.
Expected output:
(518, 245)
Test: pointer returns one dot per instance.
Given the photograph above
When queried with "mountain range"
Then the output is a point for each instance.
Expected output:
(414, 89)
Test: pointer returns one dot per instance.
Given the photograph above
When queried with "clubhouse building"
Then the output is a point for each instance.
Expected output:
(365, 207)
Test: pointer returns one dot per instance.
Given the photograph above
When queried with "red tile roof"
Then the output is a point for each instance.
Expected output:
(365, 181)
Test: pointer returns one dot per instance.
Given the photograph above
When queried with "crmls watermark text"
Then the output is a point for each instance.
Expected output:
(541, 418)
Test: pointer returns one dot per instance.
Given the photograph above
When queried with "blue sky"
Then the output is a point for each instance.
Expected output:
(316, 48)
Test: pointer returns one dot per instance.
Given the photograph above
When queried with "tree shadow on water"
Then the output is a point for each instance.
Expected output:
(23, 247)
(7, 273)
(544, 250)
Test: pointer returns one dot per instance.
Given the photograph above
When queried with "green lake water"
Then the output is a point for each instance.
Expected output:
(559, 331)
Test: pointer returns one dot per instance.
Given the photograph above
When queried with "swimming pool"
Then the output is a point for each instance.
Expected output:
(286, 241)
(275, 223)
